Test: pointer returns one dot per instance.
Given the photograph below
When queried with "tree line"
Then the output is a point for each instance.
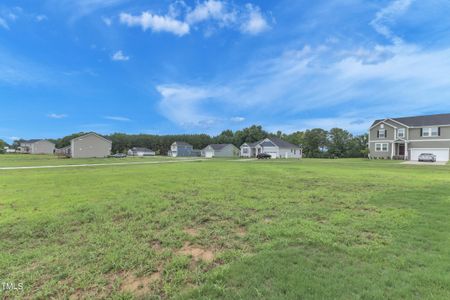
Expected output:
(316, 143)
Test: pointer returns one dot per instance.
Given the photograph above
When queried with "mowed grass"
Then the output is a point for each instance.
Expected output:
(27, 160)
(310, 229)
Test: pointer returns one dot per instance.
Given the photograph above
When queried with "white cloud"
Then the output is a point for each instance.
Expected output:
(4, 24)
(119, 56)
(255, 23)
(57, 116)
(386, 15)
(181, 18)
(410, 81)
(237, 119)
(156, 23)
(211, 9)
(16, 69)
(183, 104)
(11, 16)
(41, 18)
(117, 118)
(107, 21)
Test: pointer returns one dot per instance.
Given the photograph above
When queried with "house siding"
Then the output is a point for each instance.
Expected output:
(181, 150)
(90, 146)
(43, 147)
(415, 133)
(289, 153)
(390, 132)
(249, 151)
(385, 154)
(228, 151)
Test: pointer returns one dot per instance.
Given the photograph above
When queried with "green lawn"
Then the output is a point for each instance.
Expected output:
(23, 160)
(285, 229)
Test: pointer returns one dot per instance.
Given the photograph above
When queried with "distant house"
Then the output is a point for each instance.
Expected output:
(276, 147)
(181, 149)
(65, 151)
(140, 151)
(87, 146)
(220, 150)
(36, 147)
(9, 150)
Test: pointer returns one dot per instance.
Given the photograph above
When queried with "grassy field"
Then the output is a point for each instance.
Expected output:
(310, 229)
(23, 160)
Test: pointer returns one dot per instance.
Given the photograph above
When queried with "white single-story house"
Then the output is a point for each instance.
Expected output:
(140, 151)
(37, 147)
(275, 147)
(220, 150)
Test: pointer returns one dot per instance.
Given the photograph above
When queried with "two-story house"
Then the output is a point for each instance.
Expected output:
(36, 147)
(180, 149)
(406, 138)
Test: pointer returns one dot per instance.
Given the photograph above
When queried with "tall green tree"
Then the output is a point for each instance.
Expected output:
(3, 144)
(315, 143)
(338, 142)
(251, 134)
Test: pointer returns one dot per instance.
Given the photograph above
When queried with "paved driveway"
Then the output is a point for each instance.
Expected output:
(415, 162)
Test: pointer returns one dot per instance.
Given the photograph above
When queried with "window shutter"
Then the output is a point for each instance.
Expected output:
(439, 131)
(385, 133)
(421, 131)
(378, 133)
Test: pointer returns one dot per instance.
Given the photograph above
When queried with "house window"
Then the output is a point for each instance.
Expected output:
(382, 133)
(430, 131)
(401, 133)
(381, 147)
(245, 150)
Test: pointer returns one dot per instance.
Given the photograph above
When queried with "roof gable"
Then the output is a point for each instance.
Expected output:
(180, 143)
(417, 121)
(94, 134)
(281, 143)
(35, 141)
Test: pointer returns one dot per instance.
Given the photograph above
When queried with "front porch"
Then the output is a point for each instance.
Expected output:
(399, 150)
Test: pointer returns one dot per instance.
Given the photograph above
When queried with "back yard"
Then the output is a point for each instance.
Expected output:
(311, 229)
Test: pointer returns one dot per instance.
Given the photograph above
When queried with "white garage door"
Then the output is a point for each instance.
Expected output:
(441, 154)
(209, 154)
(273, 154)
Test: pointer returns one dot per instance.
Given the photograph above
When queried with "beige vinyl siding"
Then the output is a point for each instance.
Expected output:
(228, 151)
(42, 147)
(390, 132)
(382, 154)
(414, 133)
(90, 146)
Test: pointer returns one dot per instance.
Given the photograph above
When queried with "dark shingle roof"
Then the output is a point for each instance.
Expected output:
(218, 147)
(34, 141)
(253, 144)
(282, 144)
(430, 120)
(182, 143)
(31, 141)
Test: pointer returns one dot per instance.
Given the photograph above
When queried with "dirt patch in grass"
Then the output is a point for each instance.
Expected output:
(138, 286)
(191, 231)
(241, 231)
(156, 245)
(197, 253)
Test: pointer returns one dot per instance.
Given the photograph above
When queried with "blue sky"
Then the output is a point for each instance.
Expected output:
(204, 66)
